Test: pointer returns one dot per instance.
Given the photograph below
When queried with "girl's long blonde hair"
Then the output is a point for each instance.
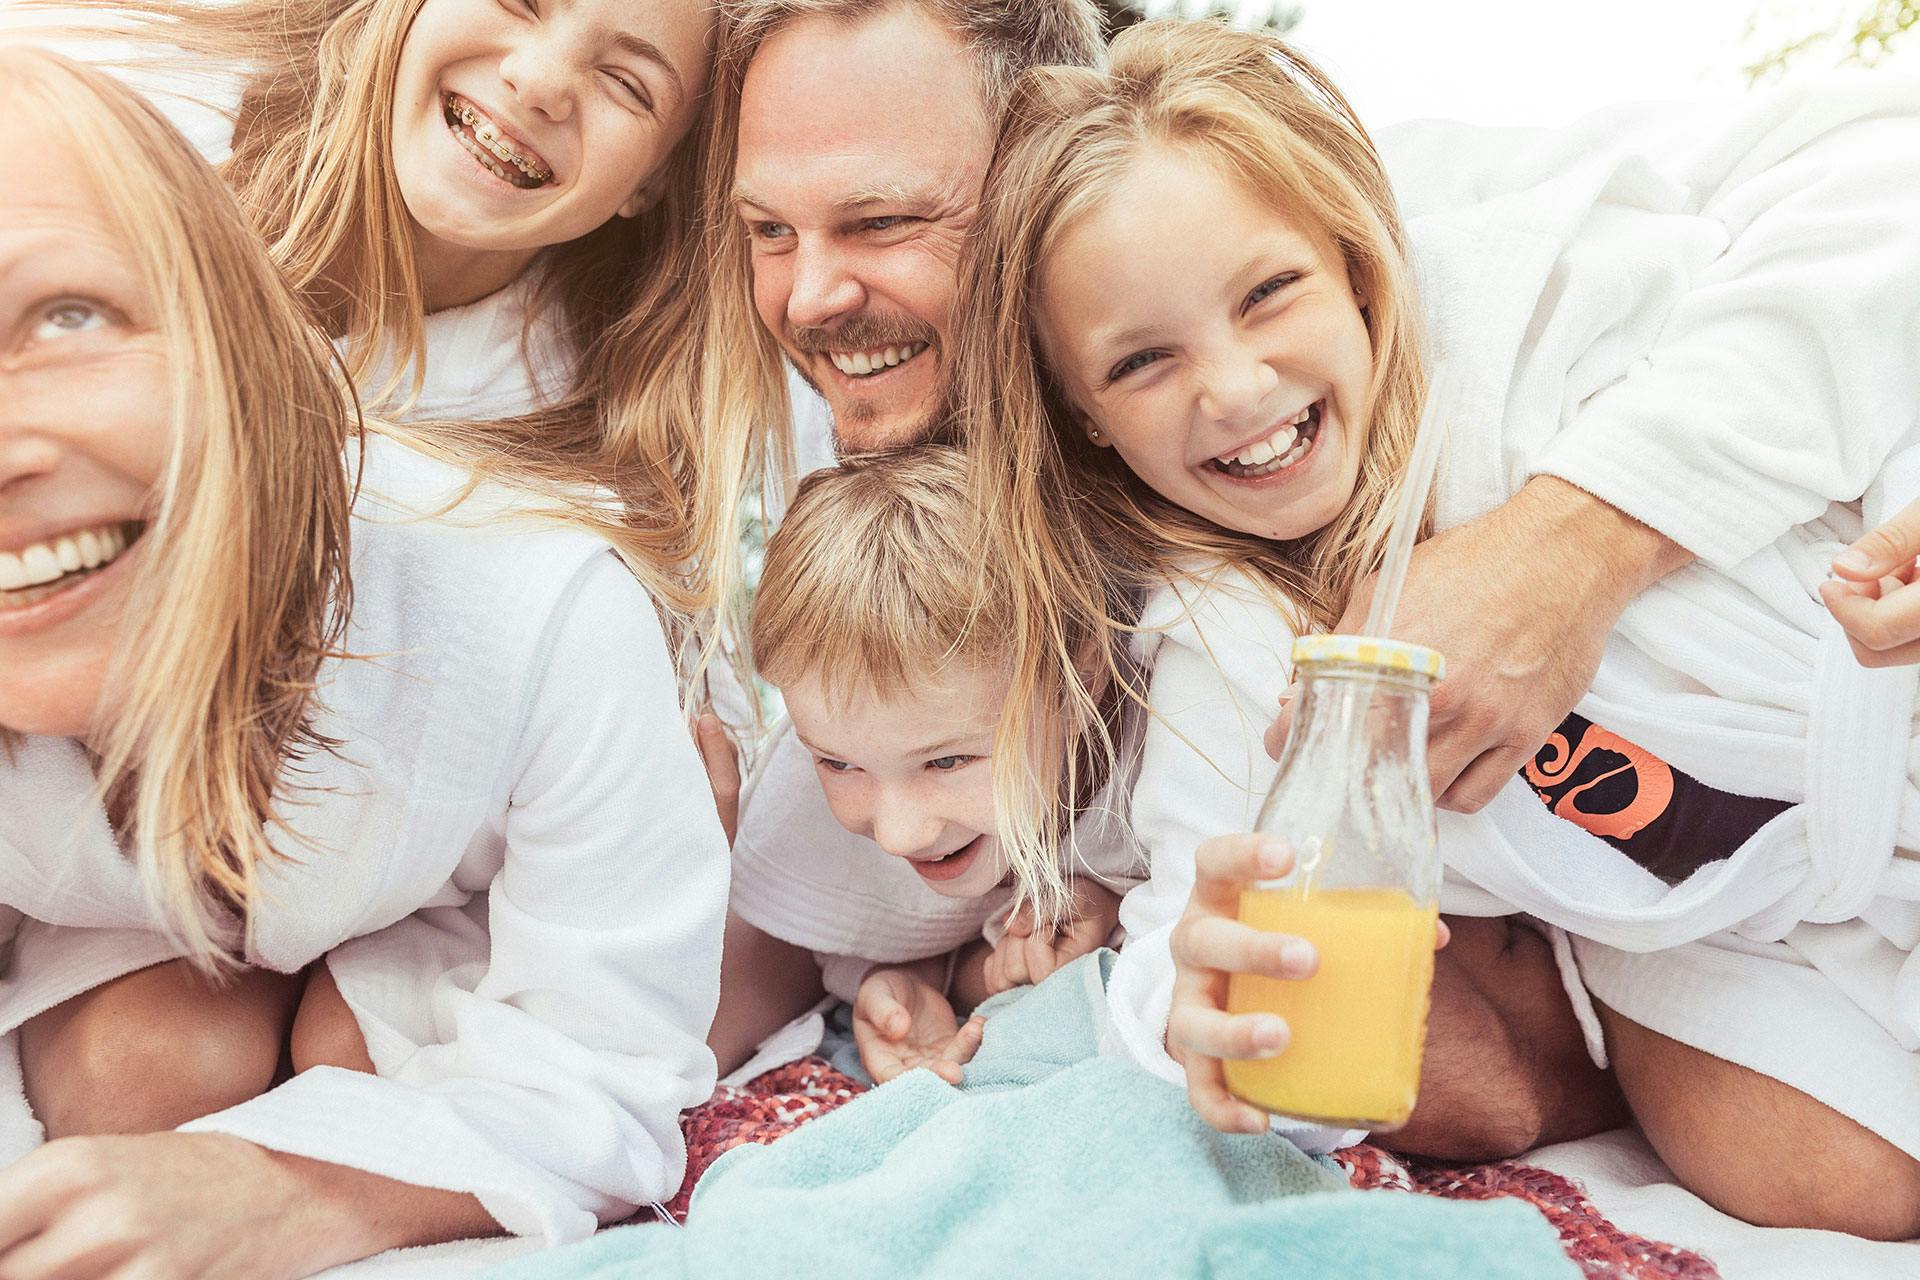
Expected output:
(245, 585)
(880, 578)
(312, 165)
(1087, 539)
(652, 417)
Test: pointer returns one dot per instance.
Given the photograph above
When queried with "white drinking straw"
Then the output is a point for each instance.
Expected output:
(1415, 485)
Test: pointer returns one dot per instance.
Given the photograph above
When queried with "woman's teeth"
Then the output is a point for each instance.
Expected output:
(34, 573)
(485, 142)
(1286, 446)
(864, 364)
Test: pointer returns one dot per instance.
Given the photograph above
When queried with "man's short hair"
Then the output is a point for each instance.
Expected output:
(1005, 36)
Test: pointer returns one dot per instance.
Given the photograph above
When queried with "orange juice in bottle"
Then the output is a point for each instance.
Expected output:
(1353, 801)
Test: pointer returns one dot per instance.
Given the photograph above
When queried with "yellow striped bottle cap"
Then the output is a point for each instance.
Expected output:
(1371, 651)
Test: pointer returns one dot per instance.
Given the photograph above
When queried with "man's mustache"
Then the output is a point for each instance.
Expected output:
(864, 332)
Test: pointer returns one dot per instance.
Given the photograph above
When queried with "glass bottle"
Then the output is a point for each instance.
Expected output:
(1352, 799)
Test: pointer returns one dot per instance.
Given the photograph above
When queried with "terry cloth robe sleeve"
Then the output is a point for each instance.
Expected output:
(554, 1083)
(1220, 654)
(1765, 366)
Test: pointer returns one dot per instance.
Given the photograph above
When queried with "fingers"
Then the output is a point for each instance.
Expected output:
(1207, 1092)
(1012, 955)
(1887, 550)
(1020, 921)
(1041, 957)
(35, 1188)
(959, 1051)
(1222, 945)
(1881, 619)
(1225, 865)
(1482, 780)
(1215, 1033)
(1442, 934)
(884, 1055)
(994, 974)
(886, 1060)
(70, 1247)
(723, 769)
(880, 1009)
(882, 1058)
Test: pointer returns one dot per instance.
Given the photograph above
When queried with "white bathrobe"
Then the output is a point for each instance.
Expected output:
(511, 864)
(1711, 320)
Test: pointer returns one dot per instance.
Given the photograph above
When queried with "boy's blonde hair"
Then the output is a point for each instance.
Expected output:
(1086, 537)
(244, 587)
(881, 577)
(874, 580)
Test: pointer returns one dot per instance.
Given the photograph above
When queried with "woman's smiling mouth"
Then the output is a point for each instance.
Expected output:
(29, 575)
(48, 583)
(497, 151)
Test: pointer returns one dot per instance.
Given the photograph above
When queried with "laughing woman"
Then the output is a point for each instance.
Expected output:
(259, 710)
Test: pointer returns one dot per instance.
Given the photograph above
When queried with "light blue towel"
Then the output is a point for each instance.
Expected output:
(1050, 1162)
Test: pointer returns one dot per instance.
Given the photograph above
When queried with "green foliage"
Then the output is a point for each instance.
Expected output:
(1882, 27)
(1273, 15)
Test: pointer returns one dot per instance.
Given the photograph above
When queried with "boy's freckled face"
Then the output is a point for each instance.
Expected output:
(913, 771)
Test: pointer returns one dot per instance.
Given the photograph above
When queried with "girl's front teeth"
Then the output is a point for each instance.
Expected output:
(1286, 446)
(483, 140)
(861, 364)
(47, 563)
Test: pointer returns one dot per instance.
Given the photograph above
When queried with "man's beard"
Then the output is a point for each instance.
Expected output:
(867, 332)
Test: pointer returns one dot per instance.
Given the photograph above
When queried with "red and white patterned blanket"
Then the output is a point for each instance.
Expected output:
(775, 1104)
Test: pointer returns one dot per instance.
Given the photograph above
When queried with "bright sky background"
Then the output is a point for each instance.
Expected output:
(1548, 61)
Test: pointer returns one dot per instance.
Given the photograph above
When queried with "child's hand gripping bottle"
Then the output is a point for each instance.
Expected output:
(1353, 800)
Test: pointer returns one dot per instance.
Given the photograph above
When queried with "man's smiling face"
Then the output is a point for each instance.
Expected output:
(861, 156)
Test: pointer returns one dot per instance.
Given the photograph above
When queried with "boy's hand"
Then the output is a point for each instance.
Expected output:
(901, 1021)
(1026, 954)
(1874, 596)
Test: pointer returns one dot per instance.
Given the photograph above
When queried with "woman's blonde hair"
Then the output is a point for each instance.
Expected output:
(1085, 537)
(244, 587)
(876, 583)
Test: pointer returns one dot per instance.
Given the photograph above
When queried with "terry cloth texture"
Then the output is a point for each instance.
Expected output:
(1050, 1161)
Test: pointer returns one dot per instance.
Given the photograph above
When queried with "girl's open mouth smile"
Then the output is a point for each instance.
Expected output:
(1285, 448)
(497, 151)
